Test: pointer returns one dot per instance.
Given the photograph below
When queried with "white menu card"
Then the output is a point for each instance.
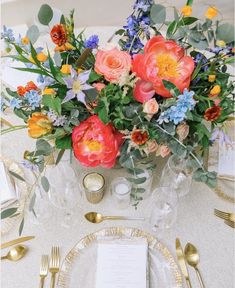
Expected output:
(122, 263)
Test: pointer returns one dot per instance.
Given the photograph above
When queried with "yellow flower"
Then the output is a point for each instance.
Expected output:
(186, 10)
(65, 47)
(79, 70)
(49, 91)
(211, 78)
(220, 43)
(25, 40)
(66, 68)
(215, 90)
(31, 59)
(211, 12)
(42, 57)
(39, 125)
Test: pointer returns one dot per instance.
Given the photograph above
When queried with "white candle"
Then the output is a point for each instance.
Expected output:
(121, 190)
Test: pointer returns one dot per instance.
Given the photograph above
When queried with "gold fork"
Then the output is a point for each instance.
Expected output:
(230, 223)
(225, 215)
(43, 269)
(54, 264)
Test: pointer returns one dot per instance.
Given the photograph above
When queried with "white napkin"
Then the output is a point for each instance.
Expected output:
(8, 193)
(122, 263)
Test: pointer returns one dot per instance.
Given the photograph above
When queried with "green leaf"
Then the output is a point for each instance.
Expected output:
(45, 183)
(225, 32)
(103, 115)
(21, 114)
(206, 25)
(52, 102)
(32, 202)
(32, 70)
(171, 87)
(201, 45)
(120, 32)
(62, 19)
(43, 147)
(187, 21)
(45, 14)
(59, 157)
(135, 171)
(229, 60)
(171, 29)
(91, 95)
(190, 2)
(21, 227)
(8, 212)
(17, 176)
(64, 143)
(158, 13)
(12, 93)
(137, 180)
(33, 33)
(93, 77)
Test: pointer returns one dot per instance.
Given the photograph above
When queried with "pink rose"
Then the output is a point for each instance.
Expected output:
(99, 86)
(150, 108)
(163, 151)
(151, 146)
(112, 64)
(143, 91)
(182, 131)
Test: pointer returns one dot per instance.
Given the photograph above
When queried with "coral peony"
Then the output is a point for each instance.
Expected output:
(95, 143)
(163, 59)
(59, 34)
(143, 91)
(39, 125)
(112, 64)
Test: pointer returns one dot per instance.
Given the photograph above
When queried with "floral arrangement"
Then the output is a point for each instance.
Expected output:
(161, 88)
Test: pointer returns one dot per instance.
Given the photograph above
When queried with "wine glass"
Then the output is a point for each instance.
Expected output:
(163, 208)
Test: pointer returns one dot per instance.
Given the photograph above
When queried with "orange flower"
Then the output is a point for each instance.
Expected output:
(39, 125)
(30, 86)
(49, 91)
(59, 34)
(66, 69)
(212, 113)
(21, 90)
(139, 137)
(215, 90)
(65, 47)
(163, 60)
(211, 12)
(25, 40)
(42, 57)
(186, 10)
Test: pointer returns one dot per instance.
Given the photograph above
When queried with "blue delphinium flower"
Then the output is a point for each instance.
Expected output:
(92, 42)
(7, 34)
(33, 98)
(56, 119)
(143, 5)
(29, 165)
(76, 85)
(15, 103)
(177, 113)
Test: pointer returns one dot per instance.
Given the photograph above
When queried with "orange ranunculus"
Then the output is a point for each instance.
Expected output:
(42, 57)
(30, 86)
(21, 90)
(39, 125)
(95, 143)
(211, 12)
(139, 137)
(59, 34)
(112, 64)
(213, 113)
(65, 47)
(186, 10)
(163, 59)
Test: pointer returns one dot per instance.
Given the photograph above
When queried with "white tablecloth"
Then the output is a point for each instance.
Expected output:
(196, 224)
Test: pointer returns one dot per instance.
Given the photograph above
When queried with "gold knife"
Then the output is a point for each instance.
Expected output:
(182, 263)
(16, 241)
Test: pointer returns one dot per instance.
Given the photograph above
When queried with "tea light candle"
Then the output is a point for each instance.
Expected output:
(93, 184)
(121, 190)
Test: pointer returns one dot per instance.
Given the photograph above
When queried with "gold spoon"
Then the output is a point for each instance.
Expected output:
(193, 258)
(15, 253)
(95, 217)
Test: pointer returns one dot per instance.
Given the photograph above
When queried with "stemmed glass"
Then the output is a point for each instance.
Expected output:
(163, 208)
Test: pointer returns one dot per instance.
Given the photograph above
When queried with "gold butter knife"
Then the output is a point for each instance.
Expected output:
(16, 241)
(182, 262)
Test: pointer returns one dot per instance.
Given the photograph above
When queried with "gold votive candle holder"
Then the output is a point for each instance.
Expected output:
(93, 184)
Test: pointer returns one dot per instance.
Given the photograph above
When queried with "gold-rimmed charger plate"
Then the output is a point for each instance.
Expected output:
(79, 266)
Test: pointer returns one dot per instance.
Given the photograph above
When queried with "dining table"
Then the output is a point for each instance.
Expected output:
(196, 223)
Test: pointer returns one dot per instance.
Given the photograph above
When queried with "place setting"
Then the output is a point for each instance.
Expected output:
(112, 176)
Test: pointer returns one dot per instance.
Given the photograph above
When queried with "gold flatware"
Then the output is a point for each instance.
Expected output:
(224, 215)
(15, 253)
(230, 223)
(16, 241)
(54, 264)
(181, 261)
(95, 217)
(193, 258)
(43, 269)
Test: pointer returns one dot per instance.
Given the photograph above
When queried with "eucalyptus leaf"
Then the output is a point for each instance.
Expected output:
(137, 181)
(57, 59)
(44, 147)
(33, 33)
(171, 29)
(21, 227)
(64, 143)
(59, 157)
(45, 183)
(45, 14)
(158, 13)
(225, 32)
(91, 95)
(32, 202)
(16, 176)
(8, 212)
